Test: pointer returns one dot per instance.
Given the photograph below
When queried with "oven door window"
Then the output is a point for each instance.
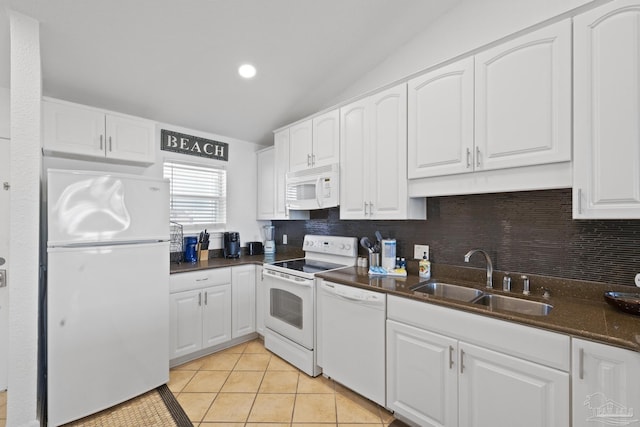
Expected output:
(286, 307)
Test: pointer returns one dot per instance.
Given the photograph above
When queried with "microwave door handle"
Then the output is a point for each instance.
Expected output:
(318, 191)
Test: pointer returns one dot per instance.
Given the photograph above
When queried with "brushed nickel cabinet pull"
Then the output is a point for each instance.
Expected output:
(313, 160)
(110, 144)
(205, 297)
(580, 200)
(477, 156)
(468, 158)
(450, 356)
(101, 137)
(581, 364)
(200, 298)
(461, 360)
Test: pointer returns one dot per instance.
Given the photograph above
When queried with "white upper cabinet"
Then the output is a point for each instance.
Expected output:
(315, 142)
(301, 145)
(606, 172)
(440, 121)
(77, 131)
(523, 100)
(506, 107)
(273, 165)
(373, 168)
(326, 139)
(5, 113)
(266, 184)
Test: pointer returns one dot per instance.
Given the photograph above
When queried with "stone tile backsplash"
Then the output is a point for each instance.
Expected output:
(529, 232)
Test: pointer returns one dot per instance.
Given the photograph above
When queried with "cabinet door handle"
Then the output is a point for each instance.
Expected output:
(205, 297)
(308, 159)
(101, 147)
(365, 208)
(580, 200)
(581, 364)
(200, 298)
(468, 158)
(461, 360)
(477, 156)
(313, 160)
(450, 356)
(370, 208)
(110, 144)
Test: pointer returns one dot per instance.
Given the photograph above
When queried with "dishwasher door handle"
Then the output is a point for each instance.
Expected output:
(356, 296)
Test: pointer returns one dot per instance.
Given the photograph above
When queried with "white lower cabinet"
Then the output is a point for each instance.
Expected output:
(200, 318)
(450, 368)
(260, 301)
(243, 300)
(496, 389)
(211, 307)
(606, 390)
(422, 381)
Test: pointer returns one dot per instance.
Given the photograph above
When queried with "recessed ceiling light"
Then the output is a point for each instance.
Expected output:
(247, 71)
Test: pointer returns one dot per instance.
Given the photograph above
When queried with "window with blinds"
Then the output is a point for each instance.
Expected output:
(198, 194)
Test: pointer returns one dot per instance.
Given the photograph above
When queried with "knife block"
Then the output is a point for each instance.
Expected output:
(203, 254)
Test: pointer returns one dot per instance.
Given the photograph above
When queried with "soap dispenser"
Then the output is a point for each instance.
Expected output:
(425, 267)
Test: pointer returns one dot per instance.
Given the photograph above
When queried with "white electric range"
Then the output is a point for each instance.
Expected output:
(291, 298)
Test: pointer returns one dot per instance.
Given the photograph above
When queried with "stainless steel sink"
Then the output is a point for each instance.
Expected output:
(447, 290)
(515, 305)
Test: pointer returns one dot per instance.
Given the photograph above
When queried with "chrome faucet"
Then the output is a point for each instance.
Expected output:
(489, 265)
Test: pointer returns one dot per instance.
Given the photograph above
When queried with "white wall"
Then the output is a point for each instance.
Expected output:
(26, 90)
(469, 26)
(4, 113)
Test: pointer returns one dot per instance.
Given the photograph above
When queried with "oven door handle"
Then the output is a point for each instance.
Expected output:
(287, 278)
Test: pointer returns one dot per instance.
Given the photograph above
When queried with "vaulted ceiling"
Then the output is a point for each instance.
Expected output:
(176, 61)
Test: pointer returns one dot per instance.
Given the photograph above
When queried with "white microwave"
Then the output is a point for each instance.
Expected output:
(314, 188)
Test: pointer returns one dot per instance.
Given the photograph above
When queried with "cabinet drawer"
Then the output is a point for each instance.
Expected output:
(199, 279)
(525, 342)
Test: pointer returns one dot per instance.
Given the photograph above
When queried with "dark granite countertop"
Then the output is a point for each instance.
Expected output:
(231, 262)
(579, 308)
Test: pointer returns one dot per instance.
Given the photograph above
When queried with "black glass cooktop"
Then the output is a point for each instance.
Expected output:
(308, 266)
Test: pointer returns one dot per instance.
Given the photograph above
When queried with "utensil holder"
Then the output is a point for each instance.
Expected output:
(374, 259)
(203, 255)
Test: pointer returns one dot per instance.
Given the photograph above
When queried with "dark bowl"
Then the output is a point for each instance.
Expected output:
(625, 301)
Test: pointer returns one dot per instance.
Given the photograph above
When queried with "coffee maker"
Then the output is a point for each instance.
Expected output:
(231, 244)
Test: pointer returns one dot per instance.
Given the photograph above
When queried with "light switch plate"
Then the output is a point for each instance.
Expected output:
(284, 239)
(419, 250)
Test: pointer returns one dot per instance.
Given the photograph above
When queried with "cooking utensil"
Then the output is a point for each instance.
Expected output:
(378, 236)
(366, 243)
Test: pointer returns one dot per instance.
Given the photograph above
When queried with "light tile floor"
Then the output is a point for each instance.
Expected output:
(246, 385)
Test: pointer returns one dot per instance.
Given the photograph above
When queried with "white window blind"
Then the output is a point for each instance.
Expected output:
(198, 194)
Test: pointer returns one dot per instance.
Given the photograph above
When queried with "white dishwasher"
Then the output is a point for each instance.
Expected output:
(352, 329)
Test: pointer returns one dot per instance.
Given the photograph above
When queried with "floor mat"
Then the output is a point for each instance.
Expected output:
(156, 408)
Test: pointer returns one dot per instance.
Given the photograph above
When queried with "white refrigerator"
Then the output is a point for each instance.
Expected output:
(107, 291)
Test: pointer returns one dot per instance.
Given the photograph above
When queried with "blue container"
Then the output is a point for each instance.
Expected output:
(190, 254)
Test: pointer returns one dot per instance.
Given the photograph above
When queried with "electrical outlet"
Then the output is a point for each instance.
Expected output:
(284, 239)
(419, 250)
(637, 280)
